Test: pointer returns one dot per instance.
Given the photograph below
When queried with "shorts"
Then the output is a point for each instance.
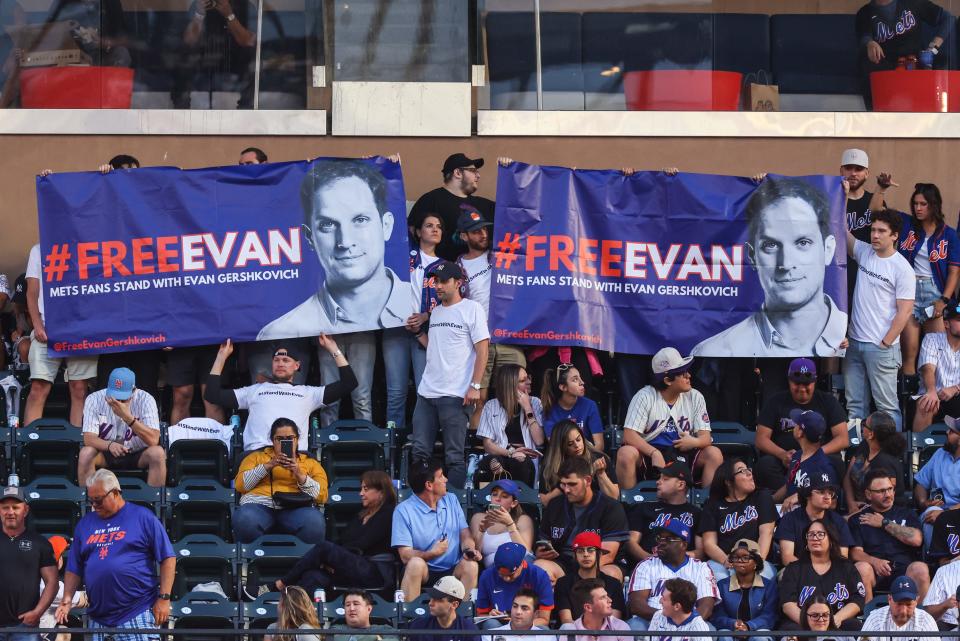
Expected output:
(129, 461)
(884, 582)
(190, 365)
(499, 354)
(44, 367)
(670, 454)
(927, 293)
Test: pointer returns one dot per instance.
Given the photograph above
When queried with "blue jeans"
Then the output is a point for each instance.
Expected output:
(401, 349)
(927, 293)
(449, 415)
(252, 520)
(870, 370)
(23, 635)
(638, 624)
(360, 348)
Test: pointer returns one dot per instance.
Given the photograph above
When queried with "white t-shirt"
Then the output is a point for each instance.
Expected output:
(269, 401)
(944, 586)
(503, 631)
(416, 278)
(673, 632)
(195, 428)
(921, 264)
(652, 573)
(479, 272)
(880, 621)
(99, 419)
(650, 415)
(881, 282)
(454, 330)
(35, 270)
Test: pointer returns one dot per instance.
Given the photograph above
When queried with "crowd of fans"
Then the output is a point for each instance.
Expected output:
(805, 543)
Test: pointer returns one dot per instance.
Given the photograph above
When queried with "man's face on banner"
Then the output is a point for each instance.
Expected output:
(348, 232)
(790, 254)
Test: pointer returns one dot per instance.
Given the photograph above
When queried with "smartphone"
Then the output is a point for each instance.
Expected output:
(286, 447)
(936, 495)
(493, 507)
(543, 544)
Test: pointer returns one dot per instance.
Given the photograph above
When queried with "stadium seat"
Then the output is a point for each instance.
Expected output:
(202, 558)
(384, 612)
(271, 556)
(511, 59)
(644, 492)
(734, 440)
(342, 505)
(873, 604)
(137, 491)
(205, 611)
(198, 459)
(699, 496)
(6, 448)
(48, 447)
(348, 448)
(200, 507)
(260, 613)
(924, 444)
(55, 506)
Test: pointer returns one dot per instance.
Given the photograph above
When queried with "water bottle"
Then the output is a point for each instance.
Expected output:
(399, 597)
(235, 422)
(13, 480)
(473, 462)
(319, 595)
(314, 423)
(13, 421)
(391, 425)
(926, 59)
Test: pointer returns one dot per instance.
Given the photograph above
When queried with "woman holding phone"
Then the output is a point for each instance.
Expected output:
(511, 428)
(502, 522)
(280, 489)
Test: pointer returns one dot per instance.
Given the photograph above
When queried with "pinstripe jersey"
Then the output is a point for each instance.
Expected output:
(99, 419)
(935, 350)
(945, 584)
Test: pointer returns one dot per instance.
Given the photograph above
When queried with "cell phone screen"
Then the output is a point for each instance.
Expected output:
(286, 447)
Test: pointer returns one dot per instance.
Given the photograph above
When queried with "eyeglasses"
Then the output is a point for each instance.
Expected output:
(816, 535)
(829, 493)
(743, 470)
(472, 170)
(882, 490)
(98, 500)
(664, 540)
(818, 616)
(740, 559)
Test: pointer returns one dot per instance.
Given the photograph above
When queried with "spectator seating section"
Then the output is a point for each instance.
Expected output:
(343, 504)
(137, 491)
(924, 444)
(203, 558)
(734, 440)
(348, 448)
(55, 505)
(198, 459)
(271, 556)
(260, 613)
(644, 491)
(48, 447)
(205, 611)
(200, 507)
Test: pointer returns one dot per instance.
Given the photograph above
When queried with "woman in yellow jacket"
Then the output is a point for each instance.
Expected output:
(279, 494)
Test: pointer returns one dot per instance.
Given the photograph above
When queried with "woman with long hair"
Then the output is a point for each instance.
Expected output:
(511, 428)
(563, 395)
(882, 447)
(365, 559)
(295, 611)
(401, 349)
(822, 570)
(816, 616)
(932, 248)
(748, 601)
(736, 510)
(567, 442)
(502, 522)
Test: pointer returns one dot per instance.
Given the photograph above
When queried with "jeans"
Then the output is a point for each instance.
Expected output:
(720, 572)
(927, 293)
(401, 349)
(253, 520)
(23, 635)
(360, 348)
(449, 415)
(870, 370)
(636, 623)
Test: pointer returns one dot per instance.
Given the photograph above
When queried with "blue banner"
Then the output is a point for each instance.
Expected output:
(713, 265)
(154, 257)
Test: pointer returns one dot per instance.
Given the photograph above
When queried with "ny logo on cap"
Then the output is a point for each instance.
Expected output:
(118, 383)
(804, 370)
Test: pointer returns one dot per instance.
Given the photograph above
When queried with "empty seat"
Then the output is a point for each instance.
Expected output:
(48, 447)
(645, 491)
(260, 613)
(341, 507)
(734, 440)
(271, 556)
(198, 459)
(348, 448)
(55, 506)
(924, 444)
(200, 507)
(203, 558)
(137, 491)
(205, 611)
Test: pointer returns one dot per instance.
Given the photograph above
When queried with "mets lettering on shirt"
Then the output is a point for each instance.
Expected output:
(953, 544)
(105, 537)
(684, 517)
(905, 23)
(681, 425)
(857, 221)
(937, 253)
(735, 520)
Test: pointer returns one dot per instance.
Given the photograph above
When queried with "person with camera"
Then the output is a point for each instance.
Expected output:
(280, 488)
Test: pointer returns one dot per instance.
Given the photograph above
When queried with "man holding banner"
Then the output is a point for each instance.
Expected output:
(347, 222)
(790, 244)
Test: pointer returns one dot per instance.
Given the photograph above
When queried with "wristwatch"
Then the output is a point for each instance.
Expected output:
(885, 522)
(231, 17)
(946, 301)
(475, 386)
(164, 597)
(530, 416)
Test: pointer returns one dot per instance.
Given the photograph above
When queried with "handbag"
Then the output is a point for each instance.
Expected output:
(289, 500)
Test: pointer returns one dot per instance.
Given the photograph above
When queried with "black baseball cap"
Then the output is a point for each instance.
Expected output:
(445, 270)
(20, 290)
(677, 470)
(459, 161)
(471, 220)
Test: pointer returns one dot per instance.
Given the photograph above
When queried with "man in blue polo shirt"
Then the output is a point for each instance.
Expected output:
(810, 461)
(940, 476)
(431, 534)
(510, 574)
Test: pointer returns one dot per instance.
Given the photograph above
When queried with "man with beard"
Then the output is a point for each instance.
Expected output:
(461, 178)
(938, 482)
(854, 169)
(790, 244)
(477, 266)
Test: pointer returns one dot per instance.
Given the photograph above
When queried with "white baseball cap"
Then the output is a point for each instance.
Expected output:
(449, 587)
(854, 157)
(669, 359)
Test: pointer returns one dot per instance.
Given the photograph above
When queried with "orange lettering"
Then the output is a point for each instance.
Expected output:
(534, 251)
(561, 248)
(114, 251)
(141, 253)
(586, 257)
(165, 254)
(85, 259)
(608, 258)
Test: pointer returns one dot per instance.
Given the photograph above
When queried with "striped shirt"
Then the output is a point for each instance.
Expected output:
(652, 573)
(944, 586)
(99, 419)
(935, 350)
(880, 621)
(685, 631)
(493, 422)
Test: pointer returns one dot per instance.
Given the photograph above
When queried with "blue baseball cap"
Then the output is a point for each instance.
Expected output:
(676, 527)
(509, 556)
(810, 422)
(121, 383)
(508, 486)
(904, 589)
